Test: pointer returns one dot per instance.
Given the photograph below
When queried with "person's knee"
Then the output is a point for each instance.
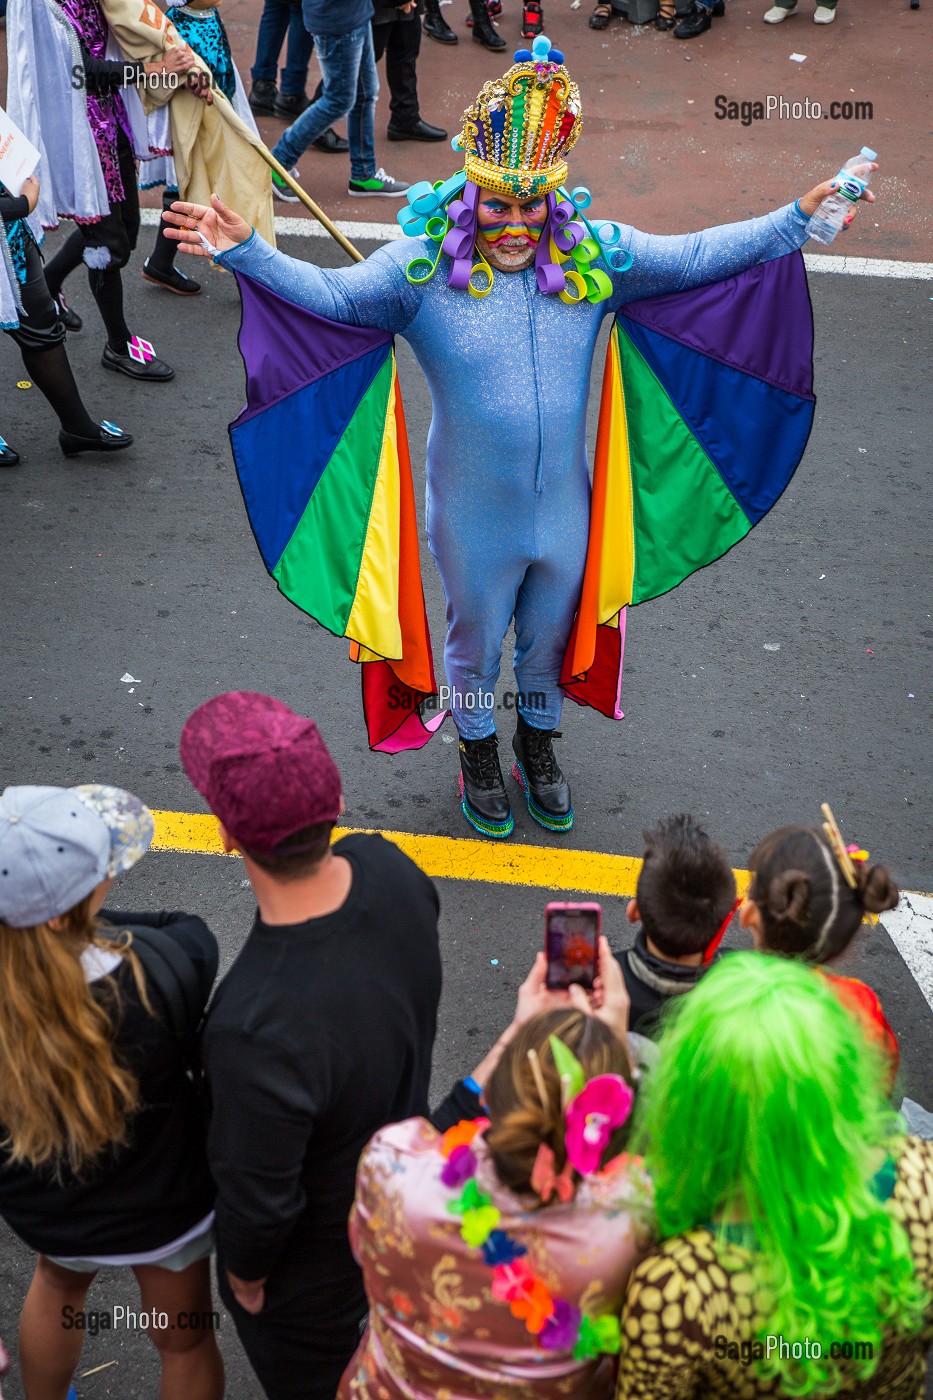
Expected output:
(62, 1280)
(110, 252)
(182, 1333)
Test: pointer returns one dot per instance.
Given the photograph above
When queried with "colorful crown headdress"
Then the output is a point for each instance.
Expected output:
(517, 132)
(515, 139)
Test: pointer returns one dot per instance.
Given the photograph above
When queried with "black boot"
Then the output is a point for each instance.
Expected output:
(434, 24)
(484, 31)
(484, 800)
(538, 772)
(262, 97)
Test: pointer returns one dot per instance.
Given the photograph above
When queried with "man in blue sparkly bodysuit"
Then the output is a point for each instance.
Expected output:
(507, 359)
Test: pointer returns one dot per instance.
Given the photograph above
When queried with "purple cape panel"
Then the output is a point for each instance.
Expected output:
(285, 347)
(759, 322)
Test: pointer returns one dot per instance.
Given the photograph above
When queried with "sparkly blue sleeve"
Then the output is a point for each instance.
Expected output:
(677, 263)
(373, 293)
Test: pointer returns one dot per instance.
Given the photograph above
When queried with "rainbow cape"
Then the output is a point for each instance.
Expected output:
(707, 405)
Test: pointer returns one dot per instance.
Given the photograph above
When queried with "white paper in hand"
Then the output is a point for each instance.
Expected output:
(18, 156)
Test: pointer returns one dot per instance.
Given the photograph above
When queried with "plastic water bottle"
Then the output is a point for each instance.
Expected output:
(852, 180)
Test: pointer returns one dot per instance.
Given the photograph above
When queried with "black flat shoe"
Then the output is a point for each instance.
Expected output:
(174, 281)
(331, 143)
(140, 365)
(8, 458)
(70, 319)
(109, 438)
(421, 131)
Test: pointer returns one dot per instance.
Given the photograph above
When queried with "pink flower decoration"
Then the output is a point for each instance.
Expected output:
(459, 1167)
(601, 1106)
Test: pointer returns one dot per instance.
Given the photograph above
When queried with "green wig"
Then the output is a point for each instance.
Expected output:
(767, 1108)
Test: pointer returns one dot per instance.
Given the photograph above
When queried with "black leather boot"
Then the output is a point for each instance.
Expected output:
(435, 25)
(537, 770)
(483, 798)
(484, 32)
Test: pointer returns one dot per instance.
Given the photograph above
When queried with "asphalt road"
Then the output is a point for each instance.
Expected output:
(797, 669)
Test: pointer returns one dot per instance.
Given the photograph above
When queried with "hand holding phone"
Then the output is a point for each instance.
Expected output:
(571, 944)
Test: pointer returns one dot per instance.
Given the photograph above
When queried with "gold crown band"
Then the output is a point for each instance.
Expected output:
(520, 184)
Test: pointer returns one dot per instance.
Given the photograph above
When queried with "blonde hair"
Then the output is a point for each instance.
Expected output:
(520, 1119)
(64, 1096)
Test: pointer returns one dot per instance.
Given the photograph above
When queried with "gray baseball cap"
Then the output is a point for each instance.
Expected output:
(56, 844)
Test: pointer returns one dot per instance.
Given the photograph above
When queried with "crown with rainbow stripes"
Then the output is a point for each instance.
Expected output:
(517, 132)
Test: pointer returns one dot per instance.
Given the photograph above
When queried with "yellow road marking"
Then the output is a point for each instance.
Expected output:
(452, 857)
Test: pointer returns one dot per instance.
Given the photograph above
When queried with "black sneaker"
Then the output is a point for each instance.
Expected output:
(173, 281)
(537, 770)
(695, 23)
(483, 798)
(137, 361)
(262, 98)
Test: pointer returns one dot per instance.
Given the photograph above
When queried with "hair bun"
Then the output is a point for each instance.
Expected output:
(789, 896)
(877, 888)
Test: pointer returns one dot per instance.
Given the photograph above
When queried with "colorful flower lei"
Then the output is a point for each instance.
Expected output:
(593, 1114)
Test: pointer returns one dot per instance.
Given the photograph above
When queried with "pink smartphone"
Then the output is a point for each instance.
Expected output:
(571, 943)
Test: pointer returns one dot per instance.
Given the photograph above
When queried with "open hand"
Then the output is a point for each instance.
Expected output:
(220, 226)
(811, 201)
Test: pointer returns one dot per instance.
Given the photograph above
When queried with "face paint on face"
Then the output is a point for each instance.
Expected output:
(509, 231)
(498, 233)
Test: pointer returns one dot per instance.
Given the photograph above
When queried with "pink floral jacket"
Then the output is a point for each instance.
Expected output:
(435, 1329)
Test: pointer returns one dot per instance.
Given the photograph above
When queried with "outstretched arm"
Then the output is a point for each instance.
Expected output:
(373, 293)
(679, 262)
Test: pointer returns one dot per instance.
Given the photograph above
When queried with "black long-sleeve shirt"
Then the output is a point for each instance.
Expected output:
(155, 1187)
(320, 1033)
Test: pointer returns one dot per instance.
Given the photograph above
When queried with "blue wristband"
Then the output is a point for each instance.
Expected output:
(800, 211)
(473, 1087)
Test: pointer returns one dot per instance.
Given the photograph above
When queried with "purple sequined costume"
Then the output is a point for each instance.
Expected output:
(106, 114)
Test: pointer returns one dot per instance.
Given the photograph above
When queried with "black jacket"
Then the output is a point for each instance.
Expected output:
(320, 1033)
(156, 1186)
(651, 983)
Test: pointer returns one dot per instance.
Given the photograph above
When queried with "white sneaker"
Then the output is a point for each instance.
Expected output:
(823, 15)
(776, 14)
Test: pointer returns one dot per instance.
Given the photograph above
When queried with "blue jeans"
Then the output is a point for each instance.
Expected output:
(348, 68)
(279, 18)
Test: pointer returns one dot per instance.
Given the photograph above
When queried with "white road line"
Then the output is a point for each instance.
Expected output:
(869, 267)
(384, 233)
(910, 927)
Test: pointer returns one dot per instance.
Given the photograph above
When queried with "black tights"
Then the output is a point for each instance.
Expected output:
(106, 288)
(41, 340)
(162, 257)
(116, 233)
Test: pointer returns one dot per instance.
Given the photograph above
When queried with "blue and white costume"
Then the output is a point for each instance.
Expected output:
(508, 486)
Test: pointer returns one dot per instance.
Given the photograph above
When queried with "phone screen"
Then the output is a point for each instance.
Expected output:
(571, 943)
